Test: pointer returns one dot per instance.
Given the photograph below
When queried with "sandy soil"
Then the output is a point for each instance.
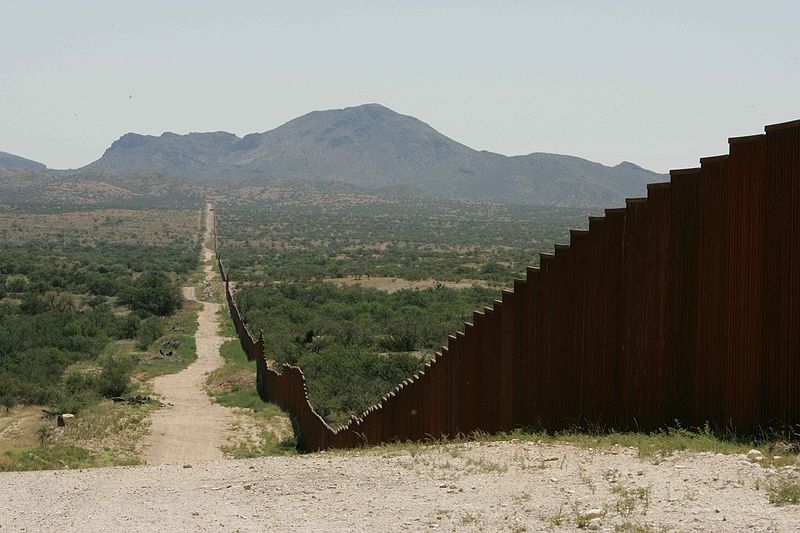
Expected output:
(508, 486)
(191, 427)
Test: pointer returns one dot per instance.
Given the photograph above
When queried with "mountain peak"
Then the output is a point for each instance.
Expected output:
(374, 147)
(627, 165)
(372, 106)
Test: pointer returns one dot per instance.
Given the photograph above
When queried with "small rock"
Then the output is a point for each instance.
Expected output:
(595, 524)
(248, 487)
(591, 514)
(755, 455)
(187, 466)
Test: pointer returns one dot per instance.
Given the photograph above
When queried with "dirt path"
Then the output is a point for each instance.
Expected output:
(191, 427)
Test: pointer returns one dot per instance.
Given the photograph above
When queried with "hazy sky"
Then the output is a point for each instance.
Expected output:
(657, 83)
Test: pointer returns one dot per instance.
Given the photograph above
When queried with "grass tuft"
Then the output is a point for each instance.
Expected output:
(785, 490)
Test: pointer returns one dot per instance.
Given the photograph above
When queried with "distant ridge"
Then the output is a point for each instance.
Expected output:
(15, 162)
(375, 148)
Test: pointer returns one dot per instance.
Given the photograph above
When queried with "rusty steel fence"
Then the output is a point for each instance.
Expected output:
(681, 306)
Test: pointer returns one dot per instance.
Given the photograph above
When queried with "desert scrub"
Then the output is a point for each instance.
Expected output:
(102, 434)
(234, 383)
(266, 444)
(55, 456)
(629, 499)
(784, 490)
(177, 337)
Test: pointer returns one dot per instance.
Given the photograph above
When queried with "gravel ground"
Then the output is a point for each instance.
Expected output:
(502, 486)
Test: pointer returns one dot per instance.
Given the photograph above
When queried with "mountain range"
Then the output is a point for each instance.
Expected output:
(372, 148)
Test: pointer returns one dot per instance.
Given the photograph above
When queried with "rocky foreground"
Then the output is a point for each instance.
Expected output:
(500, 486)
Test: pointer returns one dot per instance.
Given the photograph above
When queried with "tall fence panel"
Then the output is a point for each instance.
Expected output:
(743, 285)
(684, 305)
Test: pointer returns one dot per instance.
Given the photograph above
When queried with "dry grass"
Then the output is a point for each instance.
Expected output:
(19, 426)
(104, 434)
(108, 427)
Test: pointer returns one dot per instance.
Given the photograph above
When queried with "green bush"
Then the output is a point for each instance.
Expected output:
(150, 329)
(115, 377)
(32, 304)
(59, 310)
(126, 327)
(7, 401)
(152, 294)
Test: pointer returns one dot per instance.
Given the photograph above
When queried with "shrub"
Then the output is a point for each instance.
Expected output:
(152, 294)
(32, 304)
(342, 381)
(8, 401)
(126, 327)
(115, 377)
(150, 329)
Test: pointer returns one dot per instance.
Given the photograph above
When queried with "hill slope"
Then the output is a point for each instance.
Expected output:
(373, 147)
(96, 189)
(15, 162)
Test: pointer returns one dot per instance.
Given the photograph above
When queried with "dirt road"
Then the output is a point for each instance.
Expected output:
(191, 427)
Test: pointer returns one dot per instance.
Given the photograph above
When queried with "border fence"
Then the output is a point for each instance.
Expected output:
(681, 306)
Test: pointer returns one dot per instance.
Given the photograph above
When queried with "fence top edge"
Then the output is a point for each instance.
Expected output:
(714, 159)
(747, 138)
(782, 126)
(685, 171)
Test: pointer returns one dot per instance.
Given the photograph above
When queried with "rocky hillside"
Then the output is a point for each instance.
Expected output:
(372, 147)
